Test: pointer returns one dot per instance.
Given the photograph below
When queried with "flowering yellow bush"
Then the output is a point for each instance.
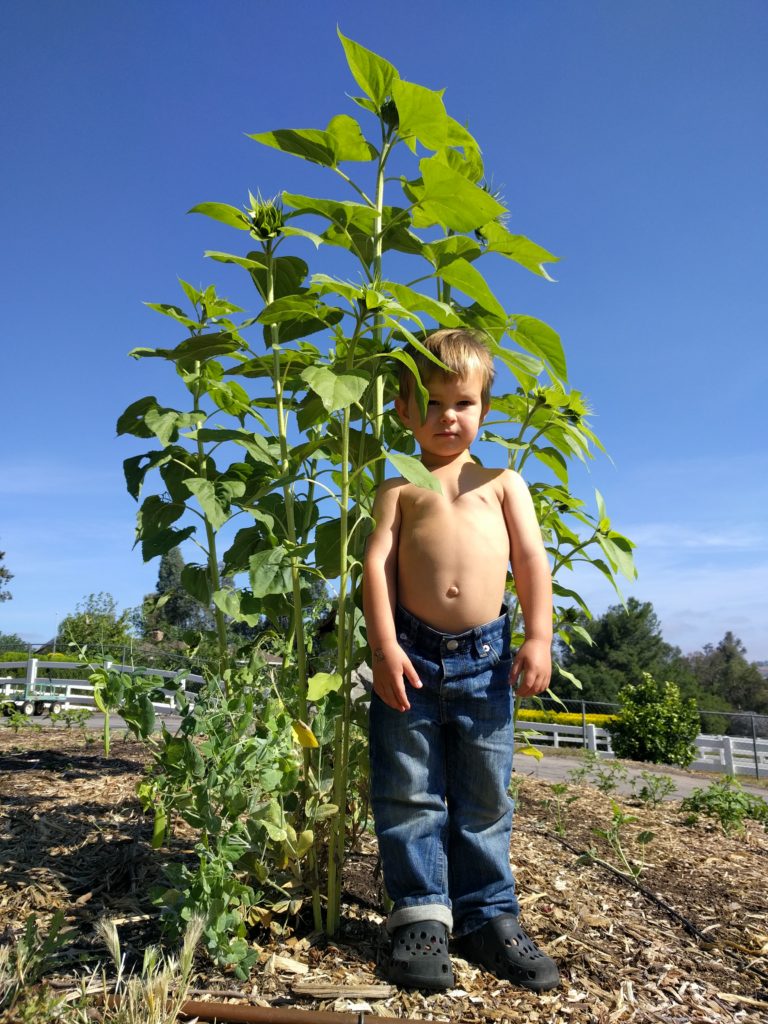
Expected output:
(563, 718)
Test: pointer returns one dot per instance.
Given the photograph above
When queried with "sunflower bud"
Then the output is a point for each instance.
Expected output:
(266, 217)
(389, 114)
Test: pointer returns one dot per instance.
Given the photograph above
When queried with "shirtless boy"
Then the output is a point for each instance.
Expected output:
(441, 723)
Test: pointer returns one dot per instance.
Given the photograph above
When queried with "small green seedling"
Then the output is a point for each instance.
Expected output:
(652, 789)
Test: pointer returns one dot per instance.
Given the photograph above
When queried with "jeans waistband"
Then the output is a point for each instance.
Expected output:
(435, 642)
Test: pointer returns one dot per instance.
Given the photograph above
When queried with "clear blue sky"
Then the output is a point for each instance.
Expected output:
(629, 138)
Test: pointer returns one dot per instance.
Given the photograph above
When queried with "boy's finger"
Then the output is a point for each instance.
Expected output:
(411, 674)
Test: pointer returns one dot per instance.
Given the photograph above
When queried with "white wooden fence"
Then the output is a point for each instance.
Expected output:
(732, 755)
(78, 693)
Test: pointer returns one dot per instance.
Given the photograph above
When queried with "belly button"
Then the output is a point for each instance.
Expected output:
(452, 592)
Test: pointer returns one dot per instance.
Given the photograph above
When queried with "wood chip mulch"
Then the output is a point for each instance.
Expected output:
(688, 946)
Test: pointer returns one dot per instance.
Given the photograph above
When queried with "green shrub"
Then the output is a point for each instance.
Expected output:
(655, 724)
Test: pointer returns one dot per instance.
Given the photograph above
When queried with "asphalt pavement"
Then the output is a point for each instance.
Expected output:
(556, 767)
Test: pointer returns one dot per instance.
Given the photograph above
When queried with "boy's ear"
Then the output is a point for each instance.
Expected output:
(486, 410)
(401, 408)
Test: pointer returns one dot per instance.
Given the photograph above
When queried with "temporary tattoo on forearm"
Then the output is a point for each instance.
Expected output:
(378, 654)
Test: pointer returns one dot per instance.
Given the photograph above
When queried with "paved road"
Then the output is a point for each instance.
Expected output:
(556, 768)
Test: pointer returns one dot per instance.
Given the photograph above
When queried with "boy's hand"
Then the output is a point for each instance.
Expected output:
(532, 668)
(390, 666)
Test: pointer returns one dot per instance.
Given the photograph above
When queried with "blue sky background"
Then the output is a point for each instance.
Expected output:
(629, 138)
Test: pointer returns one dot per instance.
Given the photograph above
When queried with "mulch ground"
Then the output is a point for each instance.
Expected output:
(689, 945)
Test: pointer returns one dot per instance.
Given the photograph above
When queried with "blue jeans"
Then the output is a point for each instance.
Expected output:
(439, 779)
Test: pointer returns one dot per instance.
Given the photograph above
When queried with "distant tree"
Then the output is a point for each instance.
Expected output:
(723, 672)
(95, 623)
(170, 609)
(5, 577)
(626, 642)
(11, 642)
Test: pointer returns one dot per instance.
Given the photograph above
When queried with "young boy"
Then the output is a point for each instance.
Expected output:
(441, 726)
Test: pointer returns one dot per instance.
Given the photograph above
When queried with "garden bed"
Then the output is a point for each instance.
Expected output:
(690, 946)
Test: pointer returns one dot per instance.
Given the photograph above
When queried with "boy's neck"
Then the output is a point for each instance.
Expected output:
(433, 462)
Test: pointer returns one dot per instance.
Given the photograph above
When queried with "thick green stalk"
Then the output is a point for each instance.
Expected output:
(297, 626)
(341, 737)
(378, 249)
(296, 629)
(213, 561)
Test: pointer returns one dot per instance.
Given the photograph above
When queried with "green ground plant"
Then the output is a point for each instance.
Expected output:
(728, 803)
(652, 789)
(618, 840)
(559, 805)
(24, 962)
(72, 718)
(270, 461)
(605, 774)
(17, 720)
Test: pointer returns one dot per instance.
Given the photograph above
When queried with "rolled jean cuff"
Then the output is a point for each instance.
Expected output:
(420, 912)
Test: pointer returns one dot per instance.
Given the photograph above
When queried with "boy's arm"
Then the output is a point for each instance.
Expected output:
(533, 582)
(390, 662)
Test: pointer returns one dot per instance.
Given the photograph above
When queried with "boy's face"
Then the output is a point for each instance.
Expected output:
(454, 414)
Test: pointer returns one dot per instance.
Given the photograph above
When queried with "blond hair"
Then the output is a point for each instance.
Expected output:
(463, 351)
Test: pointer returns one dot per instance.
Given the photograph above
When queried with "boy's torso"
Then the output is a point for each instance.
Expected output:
(453, 550)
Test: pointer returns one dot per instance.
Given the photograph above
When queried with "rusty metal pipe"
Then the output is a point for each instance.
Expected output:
(234, 1013)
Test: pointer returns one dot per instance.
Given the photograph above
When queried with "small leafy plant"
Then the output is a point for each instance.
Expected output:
(652, 789)
(17, 721)
(728, 803)
(72, 718)
(558, 806)
(606, 775)
(617, 839)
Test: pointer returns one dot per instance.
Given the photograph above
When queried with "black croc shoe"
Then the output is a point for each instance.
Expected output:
(419, 957)
(503, 948)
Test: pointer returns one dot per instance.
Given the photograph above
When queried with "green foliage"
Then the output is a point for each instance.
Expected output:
(95, 623)
(293, 439)
(729, 803)
(621, 644)
(5, 577)
(231, 773)
(656, 724)
(722, 671)
(11, 642)
(131, 695)
(652, 788)
(30, 957)
(17, 720)
(558, 806)
(72, 718)
(605, 774)
(615, 835)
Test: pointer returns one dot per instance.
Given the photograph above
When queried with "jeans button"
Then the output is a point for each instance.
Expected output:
(486, 648)
(452, 644)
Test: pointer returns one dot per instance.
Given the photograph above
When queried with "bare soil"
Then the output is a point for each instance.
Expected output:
(690, 944)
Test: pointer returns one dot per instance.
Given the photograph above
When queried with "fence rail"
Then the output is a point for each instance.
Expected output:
(78, 693)
(732, 755)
